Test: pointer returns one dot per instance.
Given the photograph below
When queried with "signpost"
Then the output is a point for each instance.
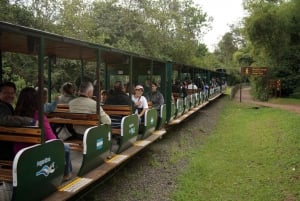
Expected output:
(253, 71)
(256, 71)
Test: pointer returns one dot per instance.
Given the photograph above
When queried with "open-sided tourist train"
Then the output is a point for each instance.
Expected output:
(36, 173)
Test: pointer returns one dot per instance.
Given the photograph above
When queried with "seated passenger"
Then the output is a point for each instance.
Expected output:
(103, 97)
(65, 131)
(191, 85)
(155, 96)
(48, 107)
(140, 102)
(85, 104)
(67, 91)
(117, 97)
(27, 105)
(7, 97)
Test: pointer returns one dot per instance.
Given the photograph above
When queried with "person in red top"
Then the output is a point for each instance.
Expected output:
(27, 105)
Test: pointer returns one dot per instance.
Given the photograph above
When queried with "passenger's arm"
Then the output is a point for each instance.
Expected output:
(7, 119)
(104, 118)
(50, 107)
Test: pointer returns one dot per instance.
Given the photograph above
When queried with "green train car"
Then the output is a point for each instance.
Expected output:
(36, 172)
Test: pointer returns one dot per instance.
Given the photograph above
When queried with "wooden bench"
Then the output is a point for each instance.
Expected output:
(83, 119)
(73, 118)
(20, 134)
(16, 134)
(6, 170)
(116, 112)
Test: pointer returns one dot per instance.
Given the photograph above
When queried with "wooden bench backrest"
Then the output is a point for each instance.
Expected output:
(62, 108)
(20, 134)
(73, 118)
(69, 115)
(122, 110)
(117, 110)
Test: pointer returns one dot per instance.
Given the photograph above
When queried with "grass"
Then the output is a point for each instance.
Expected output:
(253, 154)
(286, 101)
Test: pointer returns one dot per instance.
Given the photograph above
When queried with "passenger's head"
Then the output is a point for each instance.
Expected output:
(138, 90)
(27, 102)
(44, 93)
(103, 96)
(118, 86)
(86, 89)
(154, 86)
(67, 88)
(8, 92)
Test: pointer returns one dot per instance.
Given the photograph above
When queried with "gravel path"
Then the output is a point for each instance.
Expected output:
(151, 174)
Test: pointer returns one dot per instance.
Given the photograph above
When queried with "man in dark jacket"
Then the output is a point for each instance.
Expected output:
(118, 95)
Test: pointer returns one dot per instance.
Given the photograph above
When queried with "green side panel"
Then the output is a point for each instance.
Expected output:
(197, 97)
(188, 100)
(38, 170)
(179, 107)
(150, 123)
(129, 131)
(193, 100)
(96, 147)
(173, 111)
(200, 97)
(162, 117)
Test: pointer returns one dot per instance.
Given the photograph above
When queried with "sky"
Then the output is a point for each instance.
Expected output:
(224, 13)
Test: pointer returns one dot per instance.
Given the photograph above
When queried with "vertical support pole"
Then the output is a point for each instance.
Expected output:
(1, 67)
(130, 73)
(168, 86)
(82, 71)
(50, 61)
(98, 64)
(41, 49)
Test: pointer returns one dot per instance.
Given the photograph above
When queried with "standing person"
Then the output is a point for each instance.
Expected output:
(27, 105)
(118, 95)
(86, 104)
(67, 93)
(140, 102)
(7, 97)
(155, 97)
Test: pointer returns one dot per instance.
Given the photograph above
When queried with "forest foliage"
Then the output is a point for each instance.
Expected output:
(268, 36)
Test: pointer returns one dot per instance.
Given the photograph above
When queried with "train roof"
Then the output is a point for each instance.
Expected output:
(25, 40)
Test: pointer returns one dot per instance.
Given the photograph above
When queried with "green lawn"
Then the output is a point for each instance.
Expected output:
(253, 154)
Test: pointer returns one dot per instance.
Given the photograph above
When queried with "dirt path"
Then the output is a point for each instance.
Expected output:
(247, 98)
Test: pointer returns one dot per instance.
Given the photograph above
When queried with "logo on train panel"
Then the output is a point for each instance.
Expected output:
(131, 129)
(99, 144)
(152, 121)
(46, 170)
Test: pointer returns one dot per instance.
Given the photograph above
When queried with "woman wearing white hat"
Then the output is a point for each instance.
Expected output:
(140, 102)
